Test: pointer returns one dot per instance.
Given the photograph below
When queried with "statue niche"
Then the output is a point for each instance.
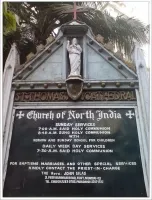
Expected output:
(74, 82)
(75, 51)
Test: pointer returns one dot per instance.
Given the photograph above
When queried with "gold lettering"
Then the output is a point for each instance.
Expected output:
(50, 96)
(94, 96)
(83, 96)
(123, 95)
(66, 97)
(43, 96)
(128, 96)
(32, 96)
(63, 96)
(133, 95)
(87, 95)
(27, 96)
(116, 95)
(37, 96)
(18, 96)
(111, 95)
(106, 96)
(101, 96)
(55, 96)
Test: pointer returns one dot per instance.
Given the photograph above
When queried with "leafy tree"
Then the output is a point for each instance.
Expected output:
(9, 27)
(9, 20)
(39, 19)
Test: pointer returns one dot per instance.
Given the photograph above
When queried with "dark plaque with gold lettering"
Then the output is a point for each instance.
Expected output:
(75, 153)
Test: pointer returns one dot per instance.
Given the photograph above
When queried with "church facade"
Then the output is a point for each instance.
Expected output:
(75, 82)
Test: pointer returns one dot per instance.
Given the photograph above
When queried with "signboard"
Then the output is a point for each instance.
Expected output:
(75, 153)
(98, 95)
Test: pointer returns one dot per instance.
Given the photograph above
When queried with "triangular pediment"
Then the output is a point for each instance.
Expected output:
(98, 64)
(50, 69)
(47, 65)
(103, 65)
(99, 68)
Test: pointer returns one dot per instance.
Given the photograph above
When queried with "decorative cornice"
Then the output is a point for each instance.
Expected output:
(92, 85)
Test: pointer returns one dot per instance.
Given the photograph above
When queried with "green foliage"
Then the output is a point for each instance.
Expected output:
(4, 7)
(9, 20)
(39, 19)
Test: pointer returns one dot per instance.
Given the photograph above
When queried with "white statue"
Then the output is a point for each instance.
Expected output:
(75, 57)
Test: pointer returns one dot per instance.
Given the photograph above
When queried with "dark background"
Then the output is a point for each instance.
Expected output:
(128, 182)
